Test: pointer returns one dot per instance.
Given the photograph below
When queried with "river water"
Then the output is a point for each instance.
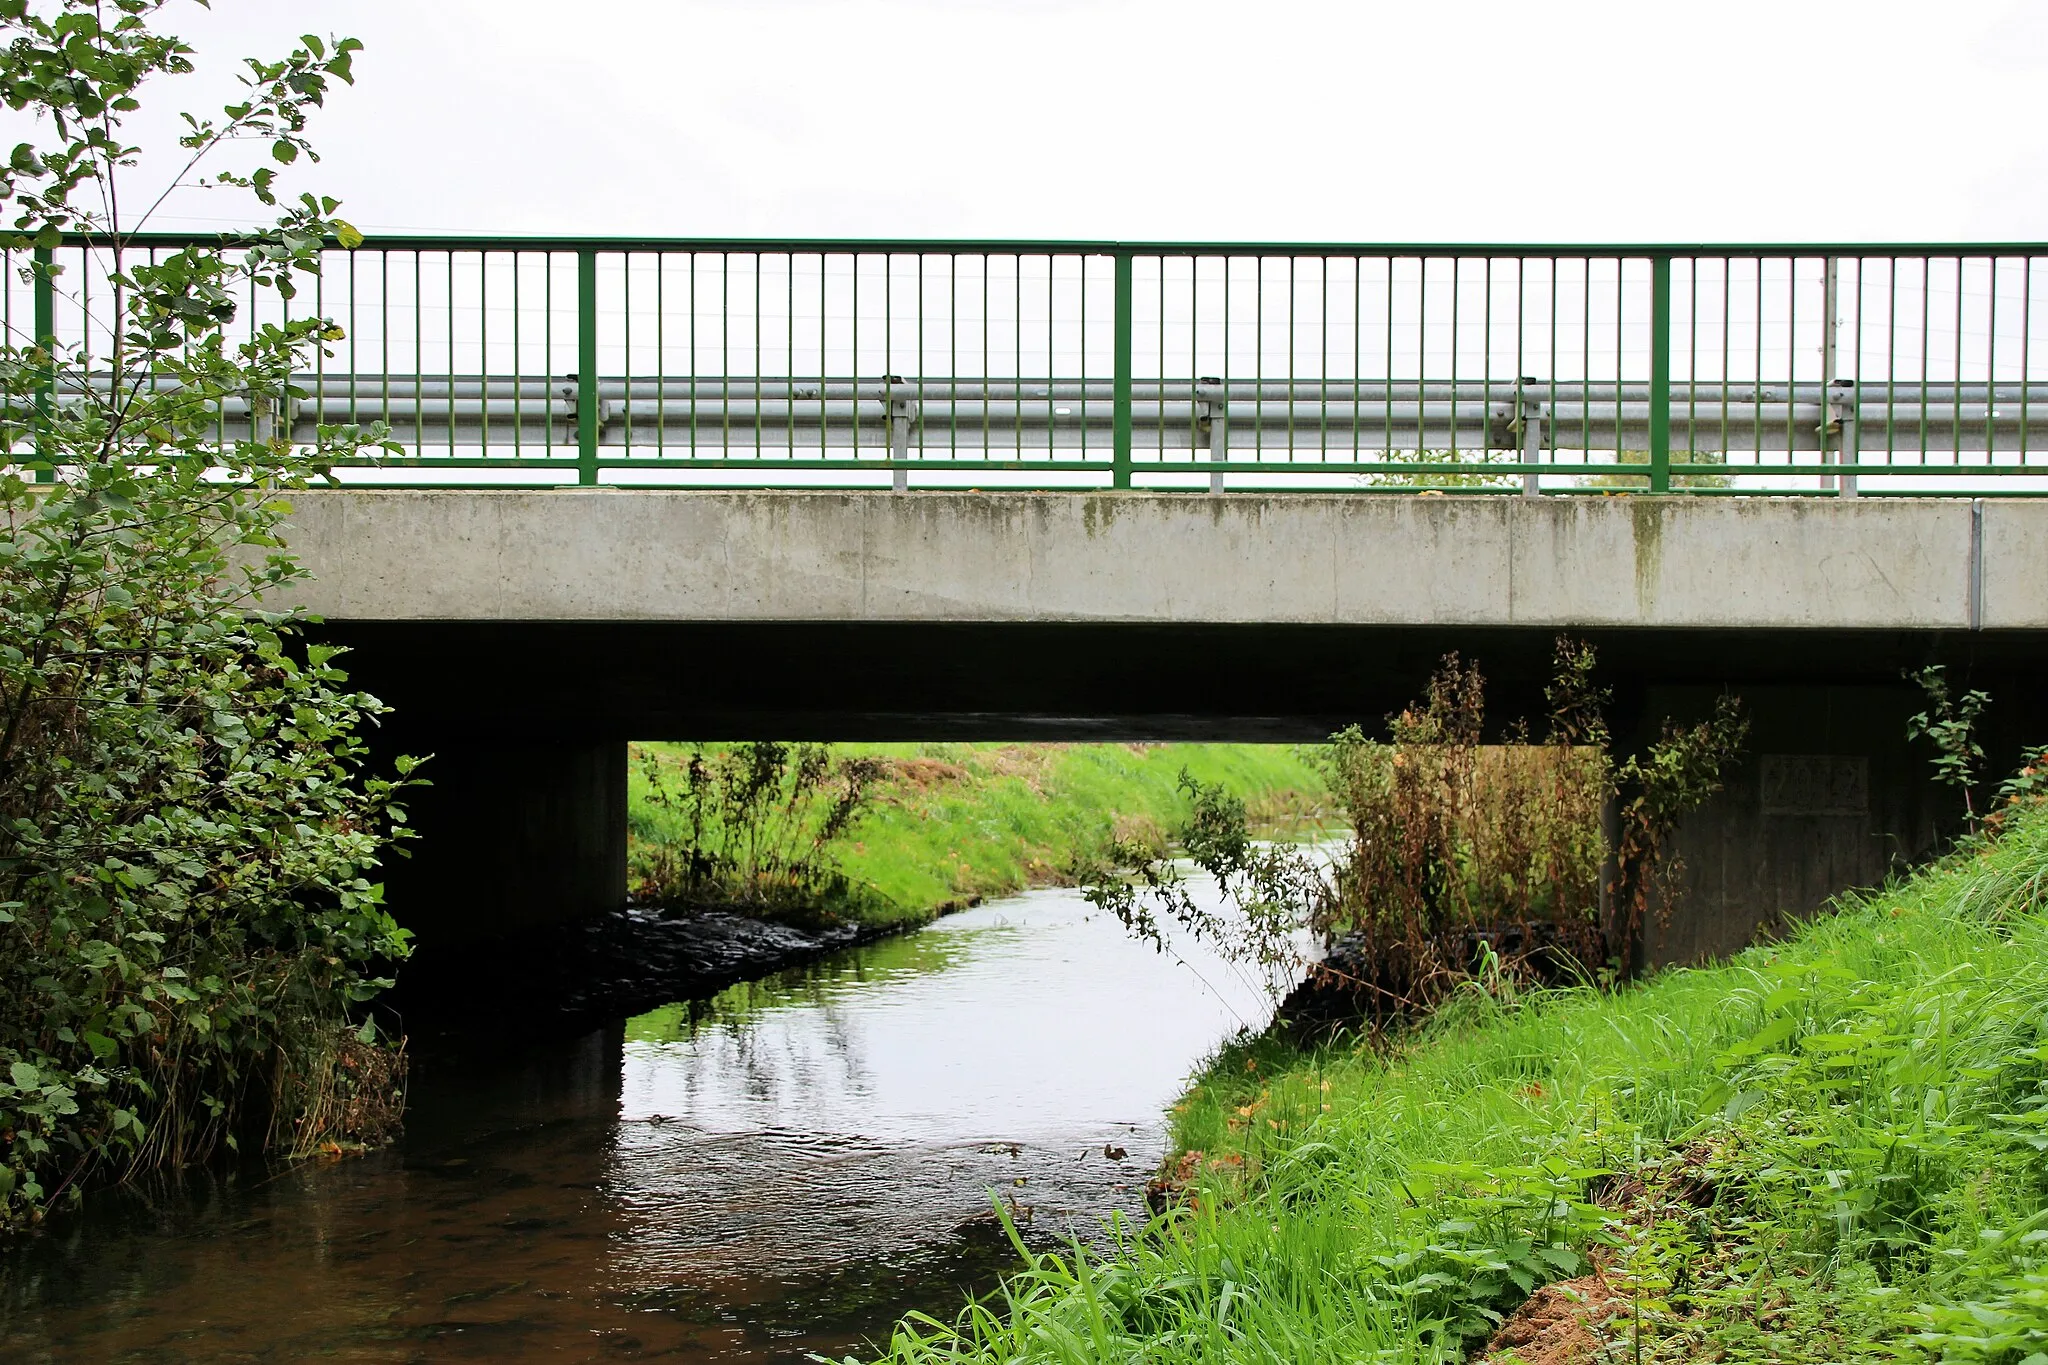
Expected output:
(781, 1170)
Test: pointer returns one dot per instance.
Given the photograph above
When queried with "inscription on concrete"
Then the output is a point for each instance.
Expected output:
(1815, 784)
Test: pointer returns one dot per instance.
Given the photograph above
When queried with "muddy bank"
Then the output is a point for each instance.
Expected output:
(564, 980)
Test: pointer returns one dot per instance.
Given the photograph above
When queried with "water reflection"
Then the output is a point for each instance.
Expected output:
(782, 1169)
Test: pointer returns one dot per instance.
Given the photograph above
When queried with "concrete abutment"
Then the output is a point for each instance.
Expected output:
(514, 835)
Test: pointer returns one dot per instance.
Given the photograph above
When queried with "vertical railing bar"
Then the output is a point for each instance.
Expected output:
(1259, 357)
(1225, 262)
(1550, 361)
(1791, 357)
(1457, 301)
(626, 332)
(988, 371)
(1051, 364)
(1855, 405)
(518, 365)
(1586, 359)
(1891, 360)
(1727, 330)
(483, 367)
(660, 355)
(45, 289)
(1120, 413)
(1293, 326)
(1926, 349)
(1017, 357)
(1159, 365)
(1357, 349)
(384, 330)
(1660, 369)
(824, 363)
(1323, 359)
(953, 356)
(759, 436)
(1829, 338)
(725, 355)
(789, 354)
(1521, 359)
(547, 346)
(450, 294)
(1081, 403)
(1990, 354)
(1756, 391)
(1486, 359)
(419, 347)
(1955, 374)
(1620, 349)
(2026, 345)
(1692, 358)
(319, 353)
(354, 343)
(586, 367)
(1421, 357)
(692, 256)
(1387, 370)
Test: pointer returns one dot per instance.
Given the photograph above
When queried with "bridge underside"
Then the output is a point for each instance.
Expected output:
(526, 821)
(1075, 681)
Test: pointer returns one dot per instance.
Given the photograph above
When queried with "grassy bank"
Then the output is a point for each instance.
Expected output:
(955, 821)
(1829, 1149)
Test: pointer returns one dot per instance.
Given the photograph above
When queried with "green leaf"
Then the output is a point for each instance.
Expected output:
(347, 234)
(25, 1077)
(368, 1032)
(285, 150)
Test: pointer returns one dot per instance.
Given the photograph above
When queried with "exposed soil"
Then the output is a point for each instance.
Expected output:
(1555, 1327)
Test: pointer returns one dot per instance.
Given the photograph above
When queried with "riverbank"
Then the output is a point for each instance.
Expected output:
(1827, 1149)
(955, 823)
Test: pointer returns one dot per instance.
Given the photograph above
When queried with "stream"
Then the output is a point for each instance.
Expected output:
(778, 1171)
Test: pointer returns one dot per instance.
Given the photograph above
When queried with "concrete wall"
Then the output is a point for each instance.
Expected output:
(1828, 795)
(515, 832)
(1693, 563)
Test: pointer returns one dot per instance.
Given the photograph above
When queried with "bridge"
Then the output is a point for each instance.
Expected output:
(688, 488)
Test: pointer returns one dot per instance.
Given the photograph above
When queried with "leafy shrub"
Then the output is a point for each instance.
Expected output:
(1462, 855)
(188, 822)
(753, 825)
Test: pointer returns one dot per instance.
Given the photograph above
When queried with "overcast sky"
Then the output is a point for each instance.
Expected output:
(1185, 119)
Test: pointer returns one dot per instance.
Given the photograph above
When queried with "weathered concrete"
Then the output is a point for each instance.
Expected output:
(1642, 563)
(1828, 795)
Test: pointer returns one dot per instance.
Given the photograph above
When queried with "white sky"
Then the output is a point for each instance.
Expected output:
(1294, 120)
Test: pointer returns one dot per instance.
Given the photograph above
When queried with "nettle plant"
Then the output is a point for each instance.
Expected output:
(188, 820)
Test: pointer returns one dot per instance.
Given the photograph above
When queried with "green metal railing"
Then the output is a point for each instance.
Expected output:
(1825, 369)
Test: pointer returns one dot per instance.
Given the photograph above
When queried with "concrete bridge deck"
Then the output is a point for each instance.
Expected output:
(1935, 564)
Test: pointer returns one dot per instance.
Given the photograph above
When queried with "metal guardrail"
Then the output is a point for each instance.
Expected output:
(1740, 369)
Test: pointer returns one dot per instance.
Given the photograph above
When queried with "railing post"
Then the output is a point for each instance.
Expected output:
(1120, 396)
(46, 341)
(587, 412)
(1660, 374)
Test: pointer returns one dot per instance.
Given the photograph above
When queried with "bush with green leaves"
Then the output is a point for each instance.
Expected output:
(189, 823)
(1463, 857)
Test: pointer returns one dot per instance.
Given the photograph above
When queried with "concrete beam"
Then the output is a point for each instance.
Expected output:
(1682, 563)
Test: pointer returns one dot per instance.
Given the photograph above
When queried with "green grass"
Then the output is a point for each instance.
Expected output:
(958, 821)
(1828, 1149)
